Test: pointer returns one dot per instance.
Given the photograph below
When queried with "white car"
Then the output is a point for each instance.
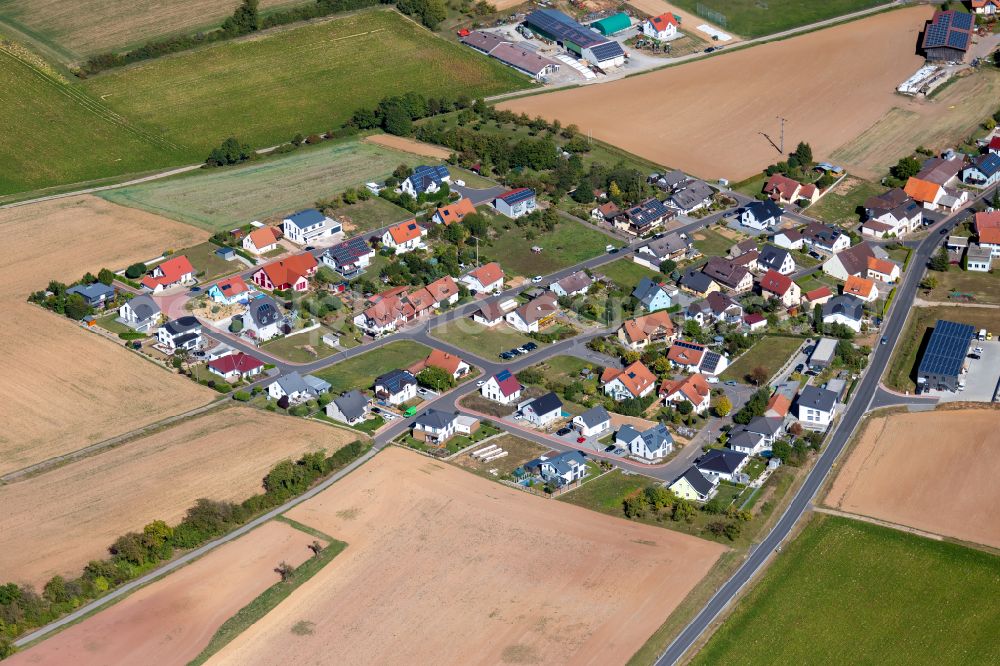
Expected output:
(712, 380)
(480, 383)
(536, 279)
(460, 183)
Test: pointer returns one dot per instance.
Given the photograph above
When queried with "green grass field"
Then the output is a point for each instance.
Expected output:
(771, 352)
(56, 133)
(626, 273)
(478, 339)
(307, 79)
(294, 348)
(984, 287)
(360, 371)
(840, 205)
(754, 18)
(220, 199)
(711, 243)
(372, 214)
(208, 265)
(849, 592)
(570, 243)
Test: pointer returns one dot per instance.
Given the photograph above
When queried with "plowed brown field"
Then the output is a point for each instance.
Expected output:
(445, 567)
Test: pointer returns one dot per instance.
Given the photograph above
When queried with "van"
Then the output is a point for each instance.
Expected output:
(982, 334)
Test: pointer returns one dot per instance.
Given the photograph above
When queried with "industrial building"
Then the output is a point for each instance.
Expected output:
(948, 36)
(944, 359)
(823, 353)
(579, 40)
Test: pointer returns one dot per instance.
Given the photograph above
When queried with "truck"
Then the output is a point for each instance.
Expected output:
(982, 334)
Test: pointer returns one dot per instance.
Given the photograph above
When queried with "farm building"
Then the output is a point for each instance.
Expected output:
(947, 37)
(510, 54)
(613, 24)
(944, 358)
(575, 38)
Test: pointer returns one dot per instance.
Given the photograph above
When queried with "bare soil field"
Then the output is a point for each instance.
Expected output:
(707, 117)
(409, 145)
(935, 471)
(172, 620)
(74, 30)
(69, 516)
(65, 388)
(445, 567)
(688, 20)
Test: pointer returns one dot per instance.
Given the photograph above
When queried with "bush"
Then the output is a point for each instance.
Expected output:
(136, 270)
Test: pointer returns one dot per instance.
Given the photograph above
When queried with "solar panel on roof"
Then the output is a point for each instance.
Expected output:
(946, 349)
(688, 345)
(607, 51)
(962, 20)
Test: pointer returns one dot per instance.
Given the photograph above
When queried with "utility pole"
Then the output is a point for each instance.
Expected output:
(782, 141)
(477, 248)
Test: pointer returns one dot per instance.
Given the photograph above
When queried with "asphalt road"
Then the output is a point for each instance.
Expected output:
(849, 420)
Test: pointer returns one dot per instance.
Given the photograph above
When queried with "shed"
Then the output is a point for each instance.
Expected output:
(612, 24)
(226, 253)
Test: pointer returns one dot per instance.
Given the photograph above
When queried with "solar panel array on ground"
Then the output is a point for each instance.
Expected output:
(946, 349)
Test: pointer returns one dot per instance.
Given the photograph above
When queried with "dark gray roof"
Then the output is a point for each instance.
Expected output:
(352, 404)
(847, 305)
(293, 383)
(946, 349)
(661, 248)
(627, 433)
(181, 325)
(306, 218)
(144, 306)
(264, 311)
(724, 461)
(546, 403)
(394, 380)
(563, 28)
(646, 290)
(698, 481)
(648, 212)
(817, 398)
(594, 416)
(709, 362)
(744, 438)
(435, 418)
(92, 292)
(657, 436)
(763, 210)
(693, 194)
(764, 425)
(561, 463)
(772, 257)
(695, 280)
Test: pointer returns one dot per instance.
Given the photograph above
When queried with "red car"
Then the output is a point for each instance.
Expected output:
(581, 440)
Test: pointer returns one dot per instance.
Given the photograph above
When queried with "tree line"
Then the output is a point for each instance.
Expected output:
(55, 296)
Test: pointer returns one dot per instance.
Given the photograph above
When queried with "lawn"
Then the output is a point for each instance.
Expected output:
(296, 348)
(605, 495)
(519, 451)
(711, 243)
(478, 339)
(108, 323)
(221, 199)
(360, 371)
(848, 590)
(770, 353)
(208, 265)
(901, 373)
(627, 274)
(754, 18)
(840, 205)
(570, 243)
(62, 134)
(984, 287)
(308, 79)
(376, 212)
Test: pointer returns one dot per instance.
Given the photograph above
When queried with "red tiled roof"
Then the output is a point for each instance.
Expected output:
(774, 282)
(783, 185)
(662, 21)
(239, 362)
(755, 318)
(455, 212)
(288, 271)
(988, 227)
(264, 236)
(510, 385)
(685, 355)
(995, 141)
(233, 286)
(169, 272)
(641, 328)
(488, 273)
(778, 405)
(921, 190)
(883, 266)
(420, 299)
(859, 286)
(404, 232)
(818, 293)
(636, 377)
(694, 388)
(443, 288)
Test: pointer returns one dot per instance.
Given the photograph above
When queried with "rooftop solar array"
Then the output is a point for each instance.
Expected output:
(689, 345)
(946, 349)
(951, 29)
(609, 51)
(711, 361)
(563, 28)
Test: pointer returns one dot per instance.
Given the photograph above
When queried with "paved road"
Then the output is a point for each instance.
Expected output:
(863, 397)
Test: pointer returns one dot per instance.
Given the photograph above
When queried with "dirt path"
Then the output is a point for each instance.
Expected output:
(408, 145)
(882, 523)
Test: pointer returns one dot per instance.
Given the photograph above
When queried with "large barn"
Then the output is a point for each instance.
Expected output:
(947, 36)
(576, 38)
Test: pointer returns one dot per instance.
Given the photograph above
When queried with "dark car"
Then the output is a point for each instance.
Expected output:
(884, 340)
(506, 355)
(799, 368)
(530, 346)
(195, 290)
(710, 49)
(310, 248)
(564, 431)
(609, 448)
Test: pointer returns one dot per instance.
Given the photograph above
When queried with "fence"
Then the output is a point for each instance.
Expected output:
(706, 12)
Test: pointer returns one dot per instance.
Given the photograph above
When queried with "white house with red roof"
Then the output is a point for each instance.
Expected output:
(291, 273)
(635, 381)
(405, 237)
(487, 279)
(262, 240)
(774, 284)
(502, 387)
(230, 291)
(236, 366)
(693, 388)
(663, 27)
(172, 272)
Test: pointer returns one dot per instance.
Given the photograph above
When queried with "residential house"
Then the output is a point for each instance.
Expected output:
(815, 407)
(652, 296)
(933, 196)
(844, 309)
(236, 366)
(450, 363)
(693, 389)
(883, 270)
(695, 486)
(502, 387)
(534, 314)
(789, 239)
(655, 252)
(140, 313)
(181, 333)
(452, 213)
(692, 196)
(444, 291)
(606, 212)
(891, 213)
(435, 427)
(97, 294)
(174, 271)
(728, 274)
(351, 408)
(722, 464)
(309, 226)
(297, 388)
(349, 258)
(823, 354)
(698, 282)
(292, 273)
(978, 259)
(993, 146)
(562, 469)
(516, 203)
(777, 406)
(396, 387)
(775, 285)
(425, 180)
(983, 171)
(593, 422)
(824, 238)
(487, 279)
(742, 247)
(760, 215)
(643, 218)
(404, 237)
(230, 291)
(541, 411)
(782, 189)
(761, 432)
(747, 260)
(776, 259)
(490, 314)
(754, 322)
(635, 381)
(988, 231)
(941, 170)
(668, 181)
(743, 441)
(262, 240)
(852, 261)
(713, 308)
(663, 27)
(262, 319)
(575, 284)
(384, 316)
(692, 357)
(654, 443)
(985, 7)
(639, 333)
(818, 296)
(809, 193)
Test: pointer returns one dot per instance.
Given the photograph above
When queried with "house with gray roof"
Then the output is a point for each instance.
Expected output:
(96, 294)
(722, 464)
(425, 180)
(693, 196)
(564, 468)
(695, 486)
(542, 410)
(396, 387)
(308, 226)
(351, 408)
(575, 284)
(140, 313)
(815, 407)
(653, 443)
(593, 422)
(776, 259)
(658, 250)
(435, 427)
(298, 388)
(844, 309)
(262, 319)
(694, 280)
(180, 333)
(652, 296)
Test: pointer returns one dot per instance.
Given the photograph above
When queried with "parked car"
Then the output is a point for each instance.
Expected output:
(581, 440)
(609, 448)
(480, 383)
(800, 367)
(731, 382)
(710, 49)
(530, 346)
(564, 431)
(712, 380)
(536, 279)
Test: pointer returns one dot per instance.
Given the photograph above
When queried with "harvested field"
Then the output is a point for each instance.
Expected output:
(688, 20)
(225, 198)
(409, 145)
(170, 621)
(504, 575)
(935, 471)
(65, 388)
(73, 30)
(89, 503)
(730, 99)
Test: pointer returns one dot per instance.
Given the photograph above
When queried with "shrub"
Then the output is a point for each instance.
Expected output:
(135, 270)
